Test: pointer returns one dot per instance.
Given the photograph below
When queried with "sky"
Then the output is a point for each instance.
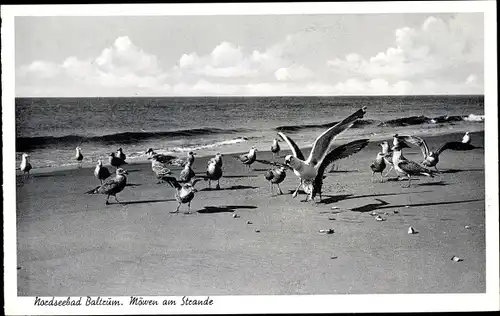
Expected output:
(330, 54)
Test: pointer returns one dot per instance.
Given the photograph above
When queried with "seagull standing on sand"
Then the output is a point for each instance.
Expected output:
(187, 173)
(25, 165)
(307, 170)
(214, 173)
(275, 147)
(160, 157)
(112, 186)
(159, 166)
(100, 172)
(248, 159)
(387, 154)
(79, 155)
(431, 158)
(115, 161)
(184, 193)
(218, 159)
(276, 176)
(378, 166)
(466, 138)
(408, 167)
(120, 154)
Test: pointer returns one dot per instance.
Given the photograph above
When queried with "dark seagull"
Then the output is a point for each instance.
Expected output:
(431, 158)
(184, 192)
(116, 161)
(407, 167)
(120, 154)
(112, 186)
(276, 176)
(378, 166)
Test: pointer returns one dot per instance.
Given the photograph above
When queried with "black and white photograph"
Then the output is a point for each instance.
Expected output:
(263, 158)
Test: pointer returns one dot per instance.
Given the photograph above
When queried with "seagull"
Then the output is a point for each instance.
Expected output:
(184, 193)
(431, 158)
(180, 162)
(100, 172)
(120, 154)
(307, 170)
(338, 153)
(466, 138)
(379, 165)
(112, 186)
(159, 166)
(115, 161)
(187, 173)
(79, 156)
(25, 165)
(387, 154)
(276, 176)
(275, 147)
(214, 173)
(408, 167)
(160, 157)
(248, 159)
(218, 159)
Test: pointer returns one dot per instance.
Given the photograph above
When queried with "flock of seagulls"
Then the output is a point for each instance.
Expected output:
(310, 171)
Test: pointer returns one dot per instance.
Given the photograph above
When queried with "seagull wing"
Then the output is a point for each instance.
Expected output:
(273, 163)
(455, 146)
(173, 182)
(108, 186)
(164, 158)
(415, 140)
(341, 152)
(412, 168)
(322, 143)
(297, 153)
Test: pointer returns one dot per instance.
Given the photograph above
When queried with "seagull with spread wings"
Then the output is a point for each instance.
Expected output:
(307, 170)
(314, 187)
(431, 158)
(184, 193)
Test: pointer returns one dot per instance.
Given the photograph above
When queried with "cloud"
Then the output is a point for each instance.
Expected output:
(293, 73)
(39, 69)
(438, 51)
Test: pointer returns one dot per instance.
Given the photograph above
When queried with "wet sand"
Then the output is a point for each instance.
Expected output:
(73, 244)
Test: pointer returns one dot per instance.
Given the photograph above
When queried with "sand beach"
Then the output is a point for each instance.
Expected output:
(70, 243)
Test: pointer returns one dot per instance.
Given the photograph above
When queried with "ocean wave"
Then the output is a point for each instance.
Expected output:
(294, 128)
(404, 121)
(28, 143)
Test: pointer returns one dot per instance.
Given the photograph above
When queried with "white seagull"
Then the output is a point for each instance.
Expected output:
(79, 155)
(466, 138)
(248, 159)
(184, 193)
(100, 172)
(307, 170)
(275, 147)
(25, 165)
(120, 154)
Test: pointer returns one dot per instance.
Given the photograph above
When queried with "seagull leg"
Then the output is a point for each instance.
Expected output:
(281, 192)
(389, 171)
(297, 190)
(381, 177)
(107, 202)
(409, 181)
(218, 185)
(271, 187)
(373, 174)
(189, 208)
(177, 209)
(209, 183)
(116, 199)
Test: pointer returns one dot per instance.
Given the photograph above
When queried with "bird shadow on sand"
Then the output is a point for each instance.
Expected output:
(260, 169)
(342, 171)
(396, 179)
(430, 184)
(224, 209)
(234, 187)
(337, 198)
(143, 202)
(384, 205)
(458, 170)
(132, 185)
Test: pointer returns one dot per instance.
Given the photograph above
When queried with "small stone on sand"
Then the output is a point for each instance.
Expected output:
(396, 211)
(335, 207)
(235, 216)
(456, 259)
(379, 218)
(411, 230)
(373, 213)
(249, 222)
(467, 227)
(331, 218)
(333, 257)
(257, 230)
